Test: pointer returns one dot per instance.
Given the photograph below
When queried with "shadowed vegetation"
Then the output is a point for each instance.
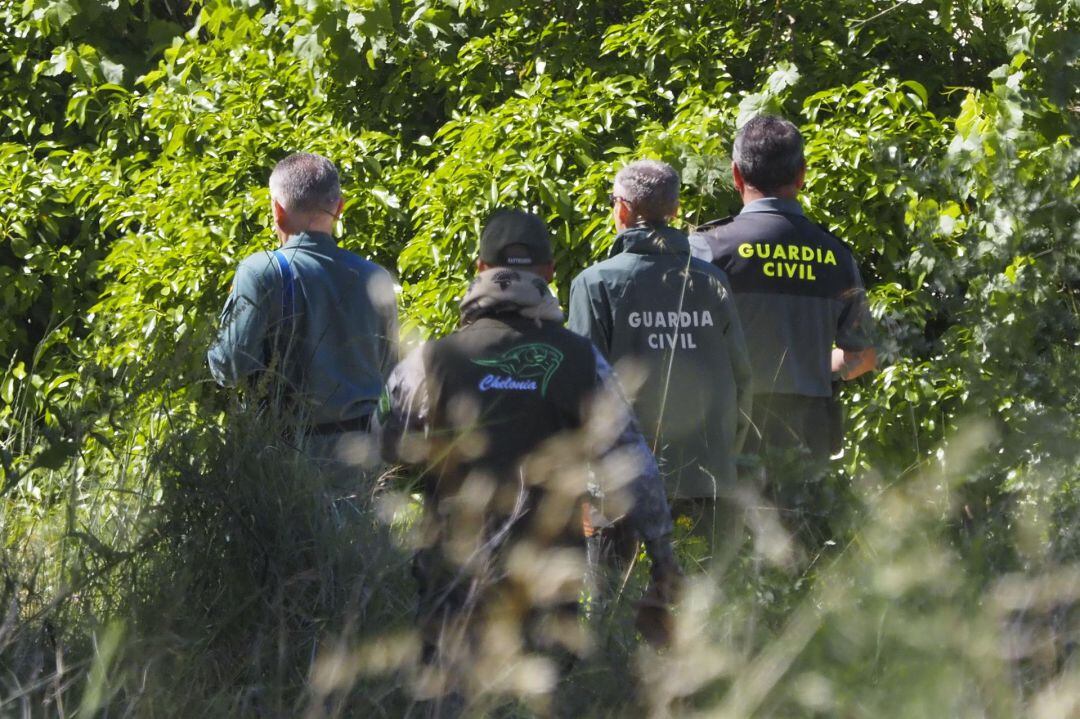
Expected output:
(166, 552)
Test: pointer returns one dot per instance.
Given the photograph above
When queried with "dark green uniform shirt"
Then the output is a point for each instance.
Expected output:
(672, 315)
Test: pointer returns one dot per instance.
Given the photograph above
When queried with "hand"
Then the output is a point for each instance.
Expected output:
(851, 364)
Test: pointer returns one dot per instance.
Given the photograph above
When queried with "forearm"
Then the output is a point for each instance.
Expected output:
(852, 364)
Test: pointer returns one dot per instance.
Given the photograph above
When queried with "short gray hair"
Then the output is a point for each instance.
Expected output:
(651, 187)
(305, 182)
(768, 151)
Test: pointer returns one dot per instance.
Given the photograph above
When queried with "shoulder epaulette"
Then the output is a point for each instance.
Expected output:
(711, 224)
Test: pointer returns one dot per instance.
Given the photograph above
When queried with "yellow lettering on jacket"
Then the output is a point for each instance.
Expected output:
(796, 262)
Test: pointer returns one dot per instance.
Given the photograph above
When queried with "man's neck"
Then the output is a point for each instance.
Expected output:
(749, 194)
(639, 223)
(283, 235)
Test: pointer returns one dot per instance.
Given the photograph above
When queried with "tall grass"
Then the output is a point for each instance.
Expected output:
(206, 575)
(211, 570)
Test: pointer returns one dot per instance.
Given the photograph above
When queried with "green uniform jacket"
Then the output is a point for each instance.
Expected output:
(658, 312)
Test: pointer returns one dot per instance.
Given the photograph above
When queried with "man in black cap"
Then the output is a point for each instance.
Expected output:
(507, 416)
(802, 302)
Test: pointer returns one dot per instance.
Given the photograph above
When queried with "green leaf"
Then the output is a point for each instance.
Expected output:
(60, 62)
(307, 47)
(113, 72)
(61, 11)
(919, 89)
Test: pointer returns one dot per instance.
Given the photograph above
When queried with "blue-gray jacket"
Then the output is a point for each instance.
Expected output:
(653, 308)
(338, 346)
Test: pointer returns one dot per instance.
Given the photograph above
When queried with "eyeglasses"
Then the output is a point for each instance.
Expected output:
(613, 198)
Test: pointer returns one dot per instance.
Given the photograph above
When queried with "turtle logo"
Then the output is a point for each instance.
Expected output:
(536, 361)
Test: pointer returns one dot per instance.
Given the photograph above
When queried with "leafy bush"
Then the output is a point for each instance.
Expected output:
(136, 143)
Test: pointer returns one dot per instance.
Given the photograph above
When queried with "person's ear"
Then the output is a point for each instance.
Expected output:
(674, 212)
(800, 179)
(737, 178)
(482, 266)
(281, 217)
(548, 272)
(624, 212)
(340, 207)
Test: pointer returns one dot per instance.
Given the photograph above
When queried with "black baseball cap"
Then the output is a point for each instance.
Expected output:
(515, 238)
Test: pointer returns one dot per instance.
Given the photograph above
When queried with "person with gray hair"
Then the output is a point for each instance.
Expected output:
(651, 188)
(658, 313)
(311, 322)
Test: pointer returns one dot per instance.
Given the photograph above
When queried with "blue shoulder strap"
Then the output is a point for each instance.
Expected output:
(287, 285)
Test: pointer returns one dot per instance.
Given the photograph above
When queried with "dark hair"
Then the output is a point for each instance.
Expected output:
(305, 182)
(769, 152)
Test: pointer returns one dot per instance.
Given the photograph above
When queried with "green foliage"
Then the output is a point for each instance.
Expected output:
(135, 144)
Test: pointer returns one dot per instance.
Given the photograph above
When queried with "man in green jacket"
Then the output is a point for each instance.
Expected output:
(657, 311)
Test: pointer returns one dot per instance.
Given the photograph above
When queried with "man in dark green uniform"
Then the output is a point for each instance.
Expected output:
(508, 415)
(317, 323)
(801, 299)
(653, 306)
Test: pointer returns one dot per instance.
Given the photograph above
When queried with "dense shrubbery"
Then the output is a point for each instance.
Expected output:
(134, 149)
